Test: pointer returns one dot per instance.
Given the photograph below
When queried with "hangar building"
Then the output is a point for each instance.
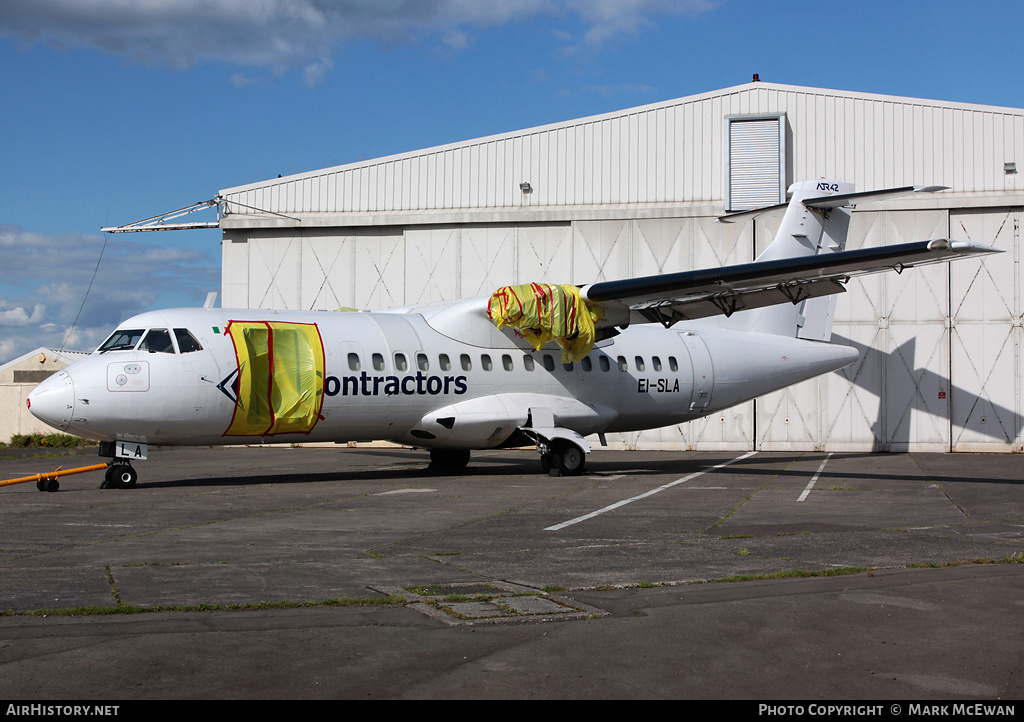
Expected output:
(17, 378)
(639, 191)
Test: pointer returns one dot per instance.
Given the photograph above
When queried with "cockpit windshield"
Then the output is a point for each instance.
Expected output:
(121, 340)
(186, 341)
(157, 341)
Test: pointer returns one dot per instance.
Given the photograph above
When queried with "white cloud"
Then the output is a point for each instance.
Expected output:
(18, 316)
(284, 35)
(44, 286)
(608, 18)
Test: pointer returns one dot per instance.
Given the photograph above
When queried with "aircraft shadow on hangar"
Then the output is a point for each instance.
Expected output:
(1001, 423)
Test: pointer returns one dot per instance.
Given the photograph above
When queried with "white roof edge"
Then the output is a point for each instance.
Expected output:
(50, 352)
(756, 85)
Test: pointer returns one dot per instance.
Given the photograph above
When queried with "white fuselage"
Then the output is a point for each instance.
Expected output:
(442, 377)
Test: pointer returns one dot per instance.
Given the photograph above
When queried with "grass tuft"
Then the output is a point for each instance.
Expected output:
(388, 601)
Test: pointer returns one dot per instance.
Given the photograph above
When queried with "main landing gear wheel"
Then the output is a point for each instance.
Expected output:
(448, 460)
(567, 458)
(120, 476)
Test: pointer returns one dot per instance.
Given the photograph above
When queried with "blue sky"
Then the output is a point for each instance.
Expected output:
(116, 110)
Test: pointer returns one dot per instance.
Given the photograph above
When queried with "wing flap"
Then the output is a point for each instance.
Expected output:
(726, 303)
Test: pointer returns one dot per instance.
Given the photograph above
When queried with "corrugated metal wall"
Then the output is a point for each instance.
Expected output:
(670, 152)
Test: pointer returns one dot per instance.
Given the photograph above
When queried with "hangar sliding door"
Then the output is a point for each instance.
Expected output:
(895, 397)
(624, 248)
(985, 398)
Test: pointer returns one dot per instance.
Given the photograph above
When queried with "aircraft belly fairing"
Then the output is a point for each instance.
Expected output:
(489, 421)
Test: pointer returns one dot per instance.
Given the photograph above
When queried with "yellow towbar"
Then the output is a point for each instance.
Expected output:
(48, 481)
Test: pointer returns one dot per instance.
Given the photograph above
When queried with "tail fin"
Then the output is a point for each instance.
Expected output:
(806, 230)
(816, 221)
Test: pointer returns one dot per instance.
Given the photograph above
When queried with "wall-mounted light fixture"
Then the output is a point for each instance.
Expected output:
(1009, 167)
(525, 187)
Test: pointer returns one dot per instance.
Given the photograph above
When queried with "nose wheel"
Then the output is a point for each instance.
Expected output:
(120, 476)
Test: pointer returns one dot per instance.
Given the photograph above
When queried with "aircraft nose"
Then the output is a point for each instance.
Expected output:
(53, 401)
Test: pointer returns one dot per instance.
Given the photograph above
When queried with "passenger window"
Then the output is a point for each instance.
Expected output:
(506, 362)
(656, 363)
(639, 363)
(587, 364)
(121, 340)
(421, 362)
(602, 361)
(485, 362)
(444, 362)
(353, 362)
(378, 362)
(549, 362)
(186, 341)
(623, 366)
(400, 363)
(528, 362)
(157, 341)
(467, 362)
(672, 365)
(568, 366)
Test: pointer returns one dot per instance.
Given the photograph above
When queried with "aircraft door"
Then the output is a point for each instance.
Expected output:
(703, 371)
(280, 378)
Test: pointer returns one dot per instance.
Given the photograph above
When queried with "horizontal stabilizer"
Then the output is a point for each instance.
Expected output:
(834, 201)
(852, 199)
(753, 213)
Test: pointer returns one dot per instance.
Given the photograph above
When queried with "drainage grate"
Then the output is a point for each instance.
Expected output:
(490, 603)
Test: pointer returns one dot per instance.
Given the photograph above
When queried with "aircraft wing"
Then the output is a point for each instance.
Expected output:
(674, 297)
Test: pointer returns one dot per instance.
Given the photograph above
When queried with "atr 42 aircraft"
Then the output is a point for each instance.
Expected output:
(635, 354)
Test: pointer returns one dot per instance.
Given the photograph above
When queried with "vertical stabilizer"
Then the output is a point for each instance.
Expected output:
(804, 232)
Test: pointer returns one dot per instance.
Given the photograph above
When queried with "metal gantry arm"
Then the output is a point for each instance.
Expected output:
(160, 222)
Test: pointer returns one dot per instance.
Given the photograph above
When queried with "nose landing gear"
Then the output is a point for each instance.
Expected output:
(120, 473)
(120, 476)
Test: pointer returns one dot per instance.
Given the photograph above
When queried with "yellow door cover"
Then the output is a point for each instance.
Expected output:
(280, 377)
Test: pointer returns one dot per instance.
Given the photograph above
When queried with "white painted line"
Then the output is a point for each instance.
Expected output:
(646, 494)
(810, 485)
